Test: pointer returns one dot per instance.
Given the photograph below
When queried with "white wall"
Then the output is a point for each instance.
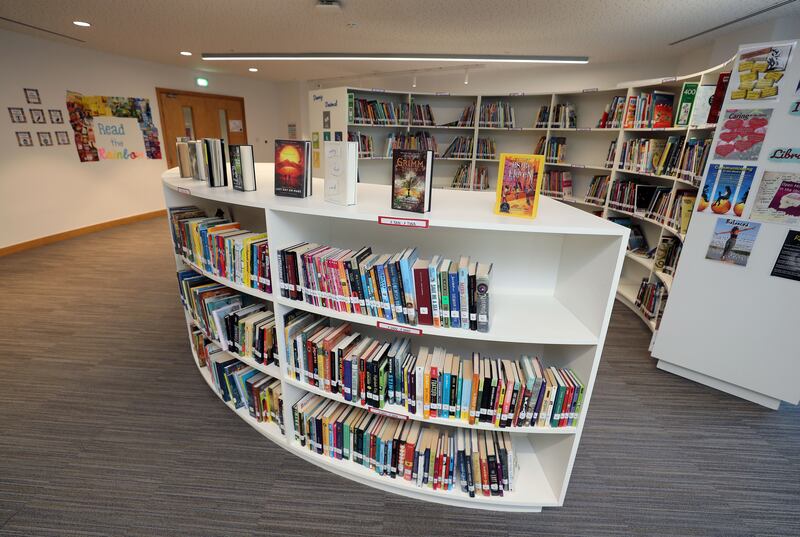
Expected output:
(44, 191)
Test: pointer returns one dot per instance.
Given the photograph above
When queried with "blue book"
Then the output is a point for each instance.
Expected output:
(395, 289)
(384, 289)
(366, 282)
(463, 285)
(444, 407)
(407, 261)
(455, 301)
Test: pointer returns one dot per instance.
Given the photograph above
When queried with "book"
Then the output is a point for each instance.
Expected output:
(184, 162)
(483, 274)
(341, 172)
(686, 103)
(243, 168)
(718, 97)
(519, 182)
(217, 169)
(200, 159)
(293, 168)
(702, 104)
(662, 109)
(412, 180)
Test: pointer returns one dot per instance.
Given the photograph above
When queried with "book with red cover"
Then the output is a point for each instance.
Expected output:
(662, 109)
(718, 97)
(422, 288)
(293, 168)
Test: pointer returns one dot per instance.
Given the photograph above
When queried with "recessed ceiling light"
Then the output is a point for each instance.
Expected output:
(185, 53)
(82, 24)
(202, 82)
(253, 69)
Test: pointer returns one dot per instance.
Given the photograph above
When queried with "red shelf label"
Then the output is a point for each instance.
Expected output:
(403, 222)
(382, 412)
(399, 328)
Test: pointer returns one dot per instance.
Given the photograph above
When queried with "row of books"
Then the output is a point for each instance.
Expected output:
(422, 114)
(542, 117)
(464, 180)
(432, 383)
(651, 298)
(623, 195)
(366, 146)
(649, 110)
(611, 154)
(238, 323)
(693, 159)
(667, 255)
(399, 286)
(659, 203)
(476, 462)
(598, 189)
(681, 210)
(557, 184)
(421, 141)
(221, 247)
(556, 149)
(467, 118)
(373, 112)
(564, 116)
(205, 160)
(540, 146)
(460, 147)
(242, 386)
(496, 114)
(487, 148)
(612, 114)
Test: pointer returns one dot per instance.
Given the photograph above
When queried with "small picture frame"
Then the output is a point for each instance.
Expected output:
(32, 96)
(62, 138)
(37, 115)
(45, 139)
(55, 116)
(24, 139)
(17, 115)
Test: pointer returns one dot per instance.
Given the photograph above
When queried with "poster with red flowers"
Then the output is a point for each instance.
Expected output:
(742, 134)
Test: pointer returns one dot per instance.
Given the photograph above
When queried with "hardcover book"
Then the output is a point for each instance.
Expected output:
(215, 153)
(688, 95)
(702, 104)
(341, 172)
(718, 97)
(412, 180)
(662, 109)
(292, 168)
(243, 169)
(519, 181)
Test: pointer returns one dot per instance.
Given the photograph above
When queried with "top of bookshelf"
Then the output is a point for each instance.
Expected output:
(450, 208)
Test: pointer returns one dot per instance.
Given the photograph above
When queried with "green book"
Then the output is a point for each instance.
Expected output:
(555, 416)
(686, 104)
(444, 288)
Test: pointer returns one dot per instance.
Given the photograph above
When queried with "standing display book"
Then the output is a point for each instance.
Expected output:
(341, 172)
(243, 168)
(293, 168)
(184, 162)
(217, 170)
(519, 182)
(412, 172)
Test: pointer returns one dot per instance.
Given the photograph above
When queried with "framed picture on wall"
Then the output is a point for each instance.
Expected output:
(55, 116)
(62, 138)
(37, 115)
(17, 115)
(45, 139)
(32, 96)
(24, 139)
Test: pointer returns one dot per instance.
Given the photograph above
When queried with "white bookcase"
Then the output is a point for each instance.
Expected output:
(587, 147)
(553, 286)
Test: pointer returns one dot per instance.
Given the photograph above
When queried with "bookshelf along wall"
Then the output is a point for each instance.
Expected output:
(575, 147)
(551, 296)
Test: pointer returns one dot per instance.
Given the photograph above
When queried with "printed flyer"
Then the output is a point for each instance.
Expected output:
(788, 263)
(778, 199)
(742, 134)
(759, 73)
(732, 241)
(726, 189)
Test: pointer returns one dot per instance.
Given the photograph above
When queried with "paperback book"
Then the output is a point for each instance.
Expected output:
(412, 180)
(293, 168)
(243, 168)
(341, 172)
(519, 182)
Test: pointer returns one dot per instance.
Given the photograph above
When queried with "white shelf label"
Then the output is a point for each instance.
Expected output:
(589, 90)
(443, 93)
(668, 79)
(399, 328)
(184, 190)
(516, 94)
(381, 412)
(403, 222)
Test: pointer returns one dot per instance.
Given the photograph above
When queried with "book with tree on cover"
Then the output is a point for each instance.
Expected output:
(412, 180)
(519, 181)
(292, 168)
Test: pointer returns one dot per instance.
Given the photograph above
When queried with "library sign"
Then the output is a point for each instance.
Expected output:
(112, 128)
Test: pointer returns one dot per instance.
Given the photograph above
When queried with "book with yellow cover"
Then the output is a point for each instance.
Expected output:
(519, 180)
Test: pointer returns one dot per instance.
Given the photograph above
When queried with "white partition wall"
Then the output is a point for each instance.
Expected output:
(553, 285)
(734, 327)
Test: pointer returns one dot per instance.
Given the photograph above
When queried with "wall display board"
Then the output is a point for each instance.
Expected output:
(739, 264)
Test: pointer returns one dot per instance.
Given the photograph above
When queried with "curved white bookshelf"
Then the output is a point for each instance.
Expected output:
(553, 288)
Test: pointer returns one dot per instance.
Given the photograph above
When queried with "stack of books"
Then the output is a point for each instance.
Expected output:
(422, 115)
(220, 247)
(499, 114)
(366, 147)
(557, 184)
(598, 188)
(372, 112)
(400, 286)
(612, 114)
(487, 148)
(237, 323)
(564, 116)
(476, 462)
(460, 147)
(556, 149)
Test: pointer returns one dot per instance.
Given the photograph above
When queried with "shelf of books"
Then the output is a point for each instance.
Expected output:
(448, 358)
(634, 154)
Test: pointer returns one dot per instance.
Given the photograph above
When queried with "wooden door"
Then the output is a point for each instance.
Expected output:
(199, 115)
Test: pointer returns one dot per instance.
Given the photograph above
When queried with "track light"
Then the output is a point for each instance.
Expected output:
(466, 76)
(414, 83)
(350, 56)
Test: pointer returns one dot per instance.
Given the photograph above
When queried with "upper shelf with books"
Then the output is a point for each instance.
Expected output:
(450, 209)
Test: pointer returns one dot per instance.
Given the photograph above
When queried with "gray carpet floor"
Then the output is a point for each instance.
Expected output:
(107, 429)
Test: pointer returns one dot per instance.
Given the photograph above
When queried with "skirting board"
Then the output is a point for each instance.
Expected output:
(41, 241)
(721, 385)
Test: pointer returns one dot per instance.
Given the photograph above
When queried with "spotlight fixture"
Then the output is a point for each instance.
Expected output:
(350, 56)
(414, 83)
(466, 76)
(185, 53)
(82, 24)
(253, 69)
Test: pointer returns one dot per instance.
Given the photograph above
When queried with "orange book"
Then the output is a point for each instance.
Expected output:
(484, 465)
(476, 379)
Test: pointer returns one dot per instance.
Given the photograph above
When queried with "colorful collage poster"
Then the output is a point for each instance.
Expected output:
(732, 241)
(778, 199)
(519, 180)
(742, 134)
(759, 73)
(726, 189)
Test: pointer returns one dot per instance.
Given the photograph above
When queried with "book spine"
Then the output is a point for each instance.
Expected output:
(482, 308)
(394, 280)
(463, 301)
(423, 298)
(473, 302)
(409, 289)
(444, 296)
(455, 300)
(434, 294)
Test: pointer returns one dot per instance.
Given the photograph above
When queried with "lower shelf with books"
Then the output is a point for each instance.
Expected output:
(626, 293)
